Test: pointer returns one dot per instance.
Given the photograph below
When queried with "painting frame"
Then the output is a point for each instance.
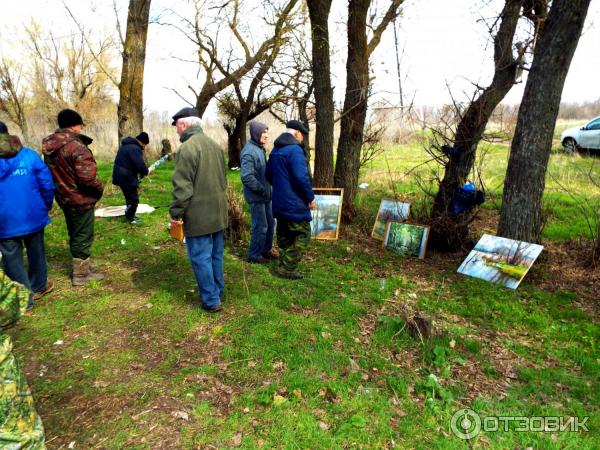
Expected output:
(378, 221)
(423, 239)
(324, 236)
(499, 260)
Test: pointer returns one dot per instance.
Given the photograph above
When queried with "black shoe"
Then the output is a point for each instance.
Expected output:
(286, 274)
(260, 260)
(214, 309)
(270, 255)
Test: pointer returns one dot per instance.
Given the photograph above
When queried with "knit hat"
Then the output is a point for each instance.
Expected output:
(68, 118)
(297, 125)
(185, 112)
(143, 138)
(3, 128)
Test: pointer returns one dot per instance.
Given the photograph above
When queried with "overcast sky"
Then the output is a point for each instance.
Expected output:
(442, 45)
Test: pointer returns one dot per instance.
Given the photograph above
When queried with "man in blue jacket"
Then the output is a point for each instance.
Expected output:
(293, 198)
(26, 197)
(257, 193)
(128, 169)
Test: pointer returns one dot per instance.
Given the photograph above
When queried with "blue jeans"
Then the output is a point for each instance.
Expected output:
(36, 276)
(206, 256)
(261, 240)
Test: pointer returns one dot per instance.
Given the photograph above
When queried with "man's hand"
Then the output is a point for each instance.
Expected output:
(313, 204)
(176, 222)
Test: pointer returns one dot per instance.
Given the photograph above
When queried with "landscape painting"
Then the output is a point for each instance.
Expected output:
(406, 239)
(326, 217)
(389, 211)
(500, 260)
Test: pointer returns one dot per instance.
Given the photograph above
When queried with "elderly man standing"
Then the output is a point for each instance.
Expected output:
(293, 198)
(200, 202)
(257, 193)
(78, 188)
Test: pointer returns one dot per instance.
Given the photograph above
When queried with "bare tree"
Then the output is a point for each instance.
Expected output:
(319, 20)
(521, 213)
(13, 96)
(450, 231)
(360, 48)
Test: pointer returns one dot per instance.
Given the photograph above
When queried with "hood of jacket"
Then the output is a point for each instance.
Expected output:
(131, 141)
(256, 131)
(9, 145)
(286, 139)
(60, 138)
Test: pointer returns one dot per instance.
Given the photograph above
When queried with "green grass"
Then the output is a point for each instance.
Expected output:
(326, 362)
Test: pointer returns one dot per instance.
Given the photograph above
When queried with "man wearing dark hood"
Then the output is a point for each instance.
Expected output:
(293, 197)
(26, 197)
(78, 188)
(129, 168)
(257, 192)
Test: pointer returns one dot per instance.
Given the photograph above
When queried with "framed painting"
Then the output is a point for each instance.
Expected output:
(500, 260)
(389, 211)
(406, 239)
(326, 217)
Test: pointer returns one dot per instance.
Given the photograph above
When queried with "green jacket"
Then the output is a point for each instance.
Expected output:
(199, 185)
(20, 426)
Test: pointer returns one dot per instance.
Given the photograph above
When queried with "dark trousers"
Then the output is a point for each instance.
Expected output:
(36, 276)
(80, 225)
(263, 226)
(292, 238)
(132, 200)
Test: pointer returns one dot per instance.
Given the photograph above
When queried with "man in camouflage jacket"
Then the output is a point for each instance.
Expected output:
(78, 188)
(20, 425)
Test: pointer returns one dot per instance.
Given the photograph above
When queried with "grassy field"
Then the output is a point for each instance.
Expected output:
(327, 362)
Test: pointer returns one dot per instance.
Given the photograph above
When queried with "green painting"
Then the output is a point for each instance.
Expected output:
(406, 239)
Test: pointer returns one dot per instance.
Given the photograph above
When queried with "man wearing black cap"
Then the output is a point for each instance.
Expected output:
(200, 203)
(78, 188)
(293, 198)
(129, 168)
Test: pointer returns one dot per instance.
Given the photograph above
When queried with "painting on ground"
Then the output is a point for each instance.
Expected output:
(326, 217)
(406, 239)
(117, 211)
(500, 260)
(389, 211)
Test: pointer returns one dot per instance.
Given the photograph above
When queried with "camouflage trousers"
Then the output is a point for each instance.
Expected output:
(20, 426)
(292, 239)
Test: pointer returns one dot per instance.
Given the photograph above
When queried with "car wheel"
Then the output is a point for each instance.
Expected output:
(570, 146)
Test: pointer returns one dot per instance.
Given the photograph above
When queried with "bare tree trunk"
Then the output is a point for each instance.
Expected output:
(450, 231)
(236, 138)
(319, 15)
(355, 105)
(521, 214)
(130, 111)
(597, 249)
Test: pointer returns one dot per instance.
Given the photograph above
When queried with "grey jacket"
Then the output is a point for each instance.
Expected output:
(253, 165)
(199, 185)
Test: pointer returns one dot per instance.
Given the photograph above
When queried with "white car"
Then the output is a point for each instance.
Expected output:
(587, 136)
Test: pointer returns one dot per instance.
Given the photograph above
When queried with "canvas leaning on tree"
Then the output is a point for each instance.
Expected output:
(389, 211)
(500, 260)
(326, 217)
(406, 239)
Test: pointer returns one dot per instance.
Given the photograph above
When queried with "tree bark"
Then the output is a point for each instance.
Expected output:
(130, 111)
(521, 214)
(236, 138)
(318, 11)
(449, 231)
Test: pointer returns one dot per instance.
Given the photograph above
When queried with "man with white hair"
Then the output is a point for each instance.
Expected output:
(200, 203)
(293, 197)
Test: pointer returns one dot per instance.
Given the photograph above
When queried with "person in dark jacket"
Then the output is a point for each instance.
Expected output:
(293, 198)
(257, 192)
(129, 168)
(200, 204)
(78, 188)
(26, 197)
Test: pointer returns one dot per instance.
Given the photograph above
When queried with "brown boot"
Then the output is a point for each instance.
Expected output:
(82, 274)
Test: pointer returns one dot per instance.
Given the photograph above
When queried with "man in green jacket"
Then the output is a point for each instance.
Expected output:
(200, 202)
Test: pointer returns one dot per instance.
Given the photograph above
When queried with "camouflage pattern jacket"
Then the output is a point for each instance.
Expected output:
(20, 426)
(73, 168)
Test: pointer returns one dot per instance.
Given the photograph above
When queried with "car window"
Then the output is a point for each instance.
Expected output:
(594, 125)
